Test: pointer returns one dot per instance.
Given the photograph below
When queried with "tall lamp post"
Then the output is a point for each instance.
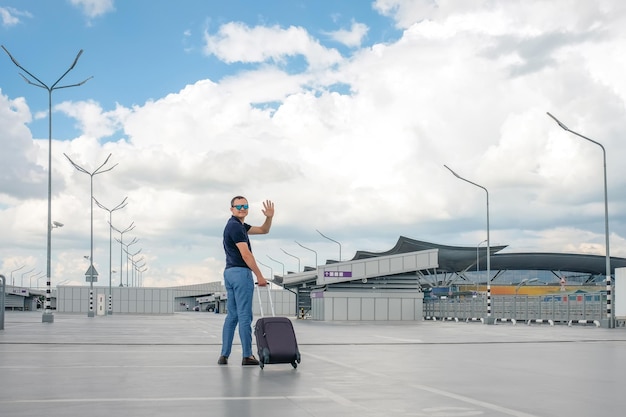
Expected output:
(301, 245)
(25, 273)
(121, 240)
(489, 319)
(30, 278)
(138, 266)
(47, 316)
(478, 263)
(15, 270)
(118, 207)
(278, 262)
(332, 240)
(132, 242)
(91, 273)
(270, 268)
(134, 264)
(610, 313)
(293, 256)
(143, 269)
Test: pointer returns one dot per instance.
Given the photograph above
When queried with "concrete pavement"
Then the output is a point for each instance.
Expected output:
(127, 365)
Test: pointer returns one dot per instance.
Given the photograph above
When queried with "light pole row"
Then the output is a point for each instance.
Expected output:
(118, 207)
(91, 273)
(48, 317)
(610, 312)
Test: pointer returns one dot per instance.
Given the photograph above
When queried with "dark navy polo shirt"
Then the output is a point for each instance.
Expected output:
(235, 232)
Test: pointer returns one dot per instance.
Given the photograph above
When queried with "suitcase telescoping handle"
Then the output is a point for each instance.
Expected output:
(269, 295)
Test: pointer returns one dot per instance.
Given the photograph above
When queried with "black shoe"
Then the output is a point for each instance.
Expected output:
(223, 360)
(251, 360)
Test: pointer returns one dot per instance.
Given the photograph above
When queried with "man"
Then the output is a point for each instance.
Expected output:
(240, 264)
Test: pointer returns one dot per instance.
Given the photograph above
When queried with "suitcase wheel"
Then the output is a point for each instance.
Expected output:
(294, 364)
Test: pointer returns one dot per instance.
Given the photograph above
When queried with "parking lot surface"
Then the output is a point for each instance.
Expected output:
(129, 365)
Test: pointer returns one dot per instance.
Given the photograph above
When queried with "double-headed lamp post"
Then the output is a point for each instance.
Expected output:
(610, 313)
(97, 171)
(48, 317)
(118, 207)
(489, 319)
(121, 241)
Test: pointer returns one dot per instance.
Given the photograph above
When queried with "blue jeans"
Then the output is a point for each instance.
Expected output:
(240, 289)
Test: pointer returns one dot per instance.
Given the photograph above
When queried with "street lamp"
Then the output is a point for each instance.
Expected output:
(48, 317)
(610, 313)
(121, 240)
(30, 278)
(279, 262)
(141, 271)
(15, 270)
(270, 268)
(118, 207)
(477, 263)
(134, 263)
(293, 256)
(332, 240)
(91, 175)
(310, 250)
(488, 321)
(25, 273)
(132, 242)
(137, 265)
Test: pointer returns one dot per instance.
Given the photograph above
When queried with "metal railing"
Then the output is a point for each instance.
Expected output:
(564, 308)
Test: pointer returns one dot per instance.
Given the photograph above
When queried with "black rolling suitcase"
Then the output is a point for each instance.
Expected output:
(275, 338)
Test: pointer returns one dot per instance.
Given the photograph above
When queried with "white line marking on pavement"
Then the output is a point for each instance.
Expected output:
(433, 390)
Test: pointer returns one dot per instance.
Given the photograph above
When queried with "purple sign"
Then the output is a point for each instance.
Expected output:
(338, 274)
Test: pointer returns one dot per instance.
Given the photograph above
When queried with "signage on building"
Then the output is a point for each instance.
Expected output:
(338, 274)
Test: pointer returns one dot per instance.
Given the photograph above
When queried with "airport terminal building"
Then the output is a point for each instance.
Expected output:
(376, 286)
(391, 285)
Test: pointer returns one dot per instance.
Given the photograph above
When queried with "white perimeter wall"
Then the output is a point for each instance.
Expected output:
(125, 300)
(357, 306)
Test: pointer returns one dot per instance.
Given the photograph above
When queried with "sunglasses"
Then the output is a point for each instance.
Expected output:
(241, 206)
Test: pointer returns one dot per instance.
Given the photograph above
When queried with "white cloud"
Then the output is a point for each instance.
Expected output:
(353, 37)
(11, 17)
(94, 8)
(236, 42)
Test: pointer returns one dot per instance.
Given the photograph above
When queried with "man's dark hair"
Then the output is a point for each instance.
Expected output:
(237, 198)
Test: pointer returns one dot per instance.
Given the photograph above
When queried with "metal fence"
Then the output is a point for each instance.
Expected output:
(558, 308)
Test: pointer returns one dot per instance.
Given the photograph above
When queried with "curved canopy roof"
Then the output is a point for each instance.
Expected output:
(451, 258)
(460, 258)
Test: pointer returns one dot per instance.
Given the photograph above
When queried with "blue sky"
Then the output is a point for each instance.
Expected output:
(142, 50)
(341, 112)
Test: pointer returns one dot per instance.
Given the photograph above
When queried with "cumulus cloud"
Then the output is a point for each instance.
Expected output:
(94, 8)
(352, 37)
(236, 42)
(11, 16)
